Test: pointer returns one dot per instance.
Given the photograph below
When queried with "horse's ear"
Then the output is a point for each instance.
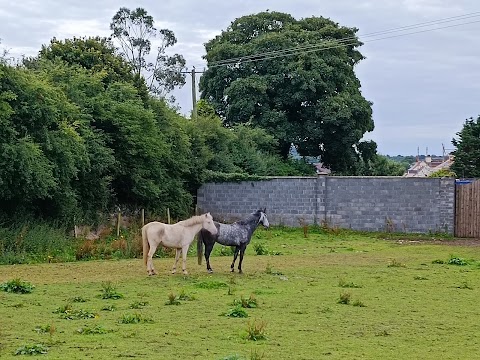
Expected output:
(264, 210)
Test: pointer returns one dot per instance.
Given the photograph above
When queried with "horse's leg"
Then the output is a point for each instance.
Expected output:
(242, 252)
(177, 256)
(184, 258)
(232, 267)
(151, 252)
(208, 251)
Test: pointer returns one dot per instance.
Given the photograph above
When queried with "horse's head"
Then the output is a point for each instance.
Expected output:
(263, 218)
(208, 224)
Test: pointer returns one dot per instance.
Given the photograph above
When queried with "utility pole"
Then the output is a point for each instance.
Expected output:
(194, 96)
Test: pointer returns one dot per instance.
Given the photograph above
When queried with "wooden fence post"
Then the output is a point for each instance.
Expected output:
(143, 217)
(168, 215)
(119, 219)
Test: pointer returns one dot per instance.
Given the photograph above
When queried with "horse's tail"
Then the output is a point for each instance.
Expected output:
(146, 246)
(200, 246)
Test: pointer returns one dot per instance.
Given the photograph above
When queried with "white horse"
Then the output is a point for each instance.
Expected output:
(178, 236)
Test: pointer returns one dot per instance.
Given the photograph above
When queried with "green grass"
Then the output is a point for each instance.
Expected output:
(419, 308)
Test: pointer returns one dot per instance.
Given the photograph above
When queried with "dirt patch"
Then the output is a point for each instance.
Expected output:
(448, 242)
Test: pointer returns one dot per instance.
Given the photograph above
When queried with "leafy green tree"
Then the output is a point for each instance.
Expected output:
(42, 150)
(309, 97)
(134, 31)
(467, 153)
(93, 53)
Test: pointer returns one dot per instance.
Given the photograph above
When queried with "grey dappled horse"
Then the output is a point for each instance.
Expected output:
(237, 234)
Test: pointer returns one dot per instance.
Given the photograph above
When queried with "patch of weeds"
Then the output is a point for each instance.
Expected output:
(457, 261)
(135, 318)
(79, 314)
(344, 284)
(269, 270)
(78, 299)
(46, 329)
(210, 284)
(17, 286)
(37, 349)
(396, 263)
(383, 332)
(419, 278)
(226, 251)
(465, 285)
(109, 292)
(260, 249)
(438, 261)
(232, 357)
(344, 298)
(255, 355)
(63, 309)
(110, 307)
(358, 303)
(138, 304)
(96, 330)
(236, 312)
(250, 302)
(183, 296)
(173, 299)
(256, 330)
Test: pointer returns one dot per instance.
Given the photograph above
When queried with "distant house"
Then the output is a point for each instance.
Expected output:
(429, 165)
(321, 170)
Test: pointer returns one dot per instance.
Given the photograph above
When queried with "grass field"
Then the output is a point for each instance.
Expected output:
(327, 296)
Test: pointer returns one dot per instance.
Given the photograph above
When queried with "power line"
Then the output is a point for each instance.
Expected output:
(327, 44)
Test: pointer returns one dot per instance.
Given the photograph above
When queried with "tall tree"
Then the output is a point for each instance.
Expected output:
(467, 153)
(294, 78)
(135, 32)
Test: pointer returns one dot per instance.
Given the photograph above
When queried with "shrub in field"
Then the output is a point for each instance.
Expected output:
(395, 263)
(17, 286)
(212, 284)
(36, 349)
(78, 299)
(457, 261)
(226, 251)
(50, 329)
(79, 314)
(256, 330)
(345, 284)
(260, 249)
(96, 330)
(358, 303)
(86, 250)
(236, 312)
(138, 304)
(250, 302)
(183, 296)
(173, 299)
(344, 298)
(135, 318)
(109, 292)
(109, 308)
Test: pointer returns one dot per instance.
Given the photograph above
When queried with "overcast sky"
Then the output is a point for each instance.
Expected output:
(423, 86)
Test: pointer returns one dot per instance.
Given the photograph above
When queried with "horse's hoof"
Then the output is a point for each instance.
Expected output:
(210, 271)
(185, 272)
(232, 270)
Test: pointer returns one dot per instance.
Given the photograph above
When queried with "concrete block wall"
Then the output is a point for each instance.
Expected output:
(360, 203)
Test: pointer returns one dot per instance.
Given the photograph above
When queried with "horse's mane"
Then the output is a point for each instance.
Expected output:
(197, 219)
(248, 220)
